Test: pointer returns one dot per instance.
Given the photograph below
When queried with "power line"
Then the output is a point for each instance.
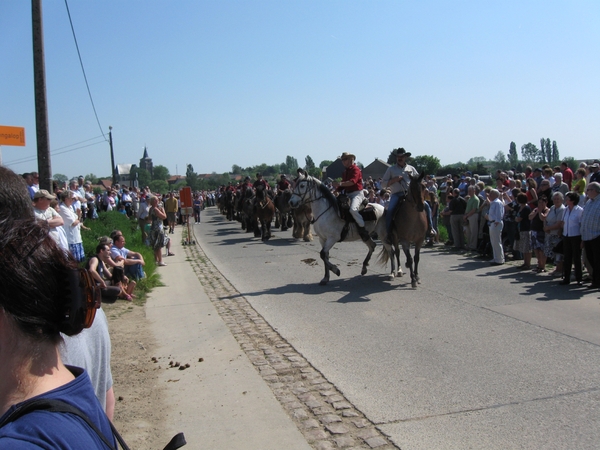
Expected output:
(58, 152)
(83, 69)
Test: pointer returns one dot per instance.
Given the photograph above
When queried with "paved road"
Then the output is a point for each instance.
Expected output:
(476, 357)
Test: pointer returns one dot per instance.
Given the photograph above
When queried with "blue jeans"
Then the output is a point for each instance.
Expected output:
(394, 201)
(135, 271)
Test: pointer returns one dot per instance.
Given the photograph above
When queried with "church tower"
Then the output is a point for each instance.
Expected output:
(146, 162)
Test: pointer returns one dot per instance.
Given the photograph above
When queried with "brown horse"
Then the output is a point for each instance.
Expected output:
(265, 211)
(409, 226)
(302, 220)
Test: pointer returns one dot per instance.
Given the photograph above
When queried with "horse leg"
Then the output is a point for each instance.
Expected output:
(277, 214)
(284, 222)
(328, 266)
(417, 258)
(371, 246)
(409, 264)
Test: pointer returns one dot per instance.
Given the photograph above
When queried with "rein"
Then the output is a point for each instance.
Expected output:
(304, 202)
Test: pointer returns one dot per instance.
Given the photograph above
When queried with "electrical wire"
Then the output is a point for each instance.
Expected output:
(83, 70)
(57, 151)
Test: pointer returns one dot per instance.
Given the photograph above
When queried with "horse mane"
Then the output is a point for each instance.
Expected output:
(415, 189)
(328, 195)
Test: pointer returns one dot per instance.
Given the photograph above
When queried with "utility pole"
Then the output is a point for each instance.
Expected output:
(112, 157)
(41, 107)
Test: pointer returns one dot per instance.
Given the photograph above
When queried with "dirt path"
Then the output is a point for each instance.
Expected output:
(140, 400)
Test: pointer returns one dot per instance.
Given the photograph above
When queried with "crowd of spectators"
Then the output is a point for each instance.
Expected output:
(547, 212)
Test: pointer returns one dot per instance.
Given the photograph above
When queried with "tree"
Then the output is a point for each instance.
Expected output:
(426, 164)
(513, 157)
(191, 177)
(160, 173)
(143, 176)
(292, 164)
(548, 148)
(310, 164)
(60, 178)
(530, 153)
(500, 160)
(91, 178)
(325, 163)
(236, 170)
(555, 154)
(160, 186)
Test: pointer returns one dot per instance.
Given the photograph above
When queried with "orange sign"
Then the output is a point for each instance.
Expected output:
(12, 136)
(185, 197)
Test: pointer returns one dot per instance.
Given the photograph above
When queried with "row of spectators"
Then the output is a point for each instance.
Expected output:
(549, 212)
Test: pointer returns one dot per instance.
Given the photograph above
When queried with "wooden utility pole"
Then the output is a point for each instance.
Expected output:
(112, 157)
(41, 107)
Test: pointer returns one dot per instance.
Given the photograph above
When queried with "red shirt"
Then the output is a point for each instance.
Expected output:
(568, 176)
(283, 185)
(353, 174)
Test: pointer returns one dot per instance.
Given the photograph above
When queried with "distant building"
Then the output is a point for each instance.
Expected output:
(146, 162)
(124, 174)
(375, 170)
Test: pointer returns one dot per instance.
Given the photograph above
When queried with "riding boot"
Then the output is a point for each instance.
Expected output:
(364, 234)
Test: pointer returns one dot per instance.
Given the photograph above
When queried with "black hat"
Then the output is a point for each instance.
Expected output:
(401, 152)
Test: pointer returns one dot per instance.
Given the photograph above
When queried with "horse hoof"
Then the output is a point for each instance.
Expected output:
(392, 277)
(336, 271)
(323, 282)
(400, 274)
(364, 271)
(414, 284)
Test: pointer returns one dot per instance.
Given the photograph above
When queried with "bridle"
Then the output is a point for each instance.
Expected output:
(304, 200)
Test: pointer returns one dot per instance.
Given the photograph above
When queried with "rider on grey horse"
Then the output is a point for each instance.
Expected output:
(352, 186)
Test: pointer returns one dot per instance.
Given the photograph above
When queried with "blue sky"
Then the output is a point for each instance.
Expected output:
(218, 83)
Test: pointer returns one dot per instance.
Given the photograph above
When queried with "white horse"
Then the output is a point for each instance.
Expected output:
(327, 223)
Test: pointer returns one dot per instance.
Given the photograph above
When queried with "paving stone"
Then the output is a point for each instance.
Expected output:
(368, 433)
(329, 393)
(337, 428)
(322, 410)
(306, 397)
(330, 418)
(342, 405)
(312, 404)
(376, 441)
(300, 414)
(350, 413)
(311, 423)
(361, 423)
(293, 405)
(334, 398)
(344, 441)
(323, 445)
(315, 435)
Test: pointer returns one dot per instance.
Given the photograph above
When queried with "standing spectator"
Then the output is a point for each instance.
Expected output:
(590, 231)
(198, 207)
(579, 185)
(158, 238)
(511, 207)
(559, 185)
(595, 174)
(43, 212)
(567, 173)
(29, 181)
(523, 244)
(434, 205)
(456, 211)
(472, 219)
(531, 193)
(496, 225)
(538, 236)
(553, 228)
(143, 218)
(72, 225)
(572, 238)
(171, 207)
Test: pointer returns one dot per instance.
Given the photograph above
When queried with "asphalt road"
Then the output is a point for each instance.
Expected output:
(477, 357)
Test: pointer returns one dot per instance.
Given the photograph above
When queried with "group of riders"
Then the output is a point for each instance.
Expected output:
(396, 180)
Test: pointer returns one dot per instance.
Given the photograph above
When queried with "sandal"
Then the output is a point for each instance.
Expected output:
(170, 254)
(161, 264)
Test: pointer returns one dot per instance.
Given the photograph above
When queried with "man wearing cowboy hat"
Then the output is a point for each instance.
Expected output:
(352, 185)
(397, 178)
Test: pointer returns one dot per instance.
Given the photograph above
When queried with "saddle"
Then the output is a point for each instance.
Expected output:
(364, 209)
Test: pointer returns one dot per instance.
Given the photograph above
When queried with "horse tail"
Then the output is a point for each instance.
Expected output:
(383, 257)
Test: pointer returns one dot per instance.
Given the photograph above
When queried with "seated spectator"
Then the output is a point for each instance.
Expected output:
(113, 282)
(133, 261)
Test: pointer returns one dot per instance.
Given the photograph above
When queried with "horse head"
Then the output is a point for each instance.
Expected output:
(415, 191)
(301, 189)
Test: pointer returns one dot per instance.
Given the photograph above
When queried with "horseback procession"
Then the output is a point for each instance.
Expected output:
(342, 214)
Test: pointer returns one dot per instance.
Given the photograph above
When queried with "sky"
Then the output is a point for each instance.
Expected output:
(220, 83)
